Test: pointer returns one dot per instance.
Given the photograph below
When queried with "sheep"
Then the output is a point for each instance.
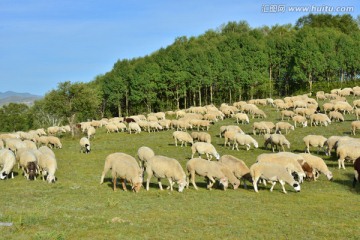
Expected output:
(283, 126)
(165, 167)
(309, 171)
(155, 126)
(47, 165)
(244, 139)
(356, 171)
(46, 150)
(54, 142)
(261, 127)
(321, 118)
(272, 172)
(111, 127)
(258, 113)
(328, 107)
(276, 140)
(210, 117)
(125, 167)
(235, 128)
(27, 156)
(355, 125)
(85, 145)
(299, 119)
(209, 170)
(315, 141)
(7, 161)
(165, 123)
(242, 117)
(229, 136)
(204, 148)
(344, 107)
(287, 159)
(357, 113)
(287, 113)
(238, 167)
(133, 126)
(144, 154)
(337, 116)
(30, 144)
(91, 132)
(14, 144)
(201, 136)
(318, 165)
(183, 137)
(349, 150)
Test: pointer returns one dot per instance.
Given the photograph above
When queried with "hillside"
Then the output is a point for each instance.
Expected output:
(14, 97)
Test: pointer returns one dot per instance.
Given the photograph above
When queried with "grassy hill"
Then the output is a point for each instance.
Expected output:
(78, 207)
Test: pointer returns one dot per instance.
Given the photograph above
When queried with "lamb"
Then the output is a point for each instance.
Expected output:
(47, 165)
(315, 141)
(242, 117)
(7, 161)
(355, 125)
(165, 167)
(272, 172)
(276, 140)
(349, 150)
(125, 167)
(133, 126)
(337, 116)
(209, 170)
(144, 154)
(204, 148)
(356, 171)
(54, 142)
(91, 132)
(238, 167)
(318, 165)
(183, 137)
(85, 145)
(261, 127)
(283, 126)
(300, 119)
(244, 139)
(287, 159)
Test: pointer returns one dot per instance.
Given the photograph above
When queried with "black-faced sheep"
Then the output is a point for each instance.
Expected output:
(85, 145)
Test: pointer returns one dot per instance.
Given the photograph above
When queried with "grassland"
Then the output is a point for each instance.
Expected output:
(78, 207)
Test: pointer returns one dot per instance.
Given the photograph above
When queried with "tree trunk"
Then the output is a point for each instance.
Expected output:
(127, 103)
(71, 121)
(185, 97)
(199, 96)
(230, 97)
(119, 108)
(211, 94)
(270, 81)
(310, 82)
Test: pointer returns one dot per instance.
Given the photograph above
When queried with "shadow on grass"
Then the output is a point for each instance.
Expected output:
(349, 183)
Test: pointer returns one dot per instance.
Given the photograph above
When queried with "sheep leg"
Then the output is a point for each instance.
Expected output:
(282, 185)
(149, 175)
(160, 185)
(193, 180)
(123, 184)
(171, 184)
(272, 185)
(247, 147)
(211, 182)
(114, 182)
(255, 182)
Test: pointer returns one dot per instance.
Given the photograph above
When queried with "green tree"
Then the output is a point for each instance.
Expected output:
(15, 117)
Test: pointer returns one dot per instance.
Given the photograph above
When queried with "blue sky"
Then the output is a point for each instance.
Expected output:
(44, 42)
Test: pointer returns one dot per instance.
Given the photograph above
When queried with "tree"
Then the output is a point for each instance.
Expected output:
(15, 117)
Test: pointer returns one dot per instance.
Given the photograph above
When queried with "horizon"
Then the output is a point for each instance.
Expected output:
(45, 42)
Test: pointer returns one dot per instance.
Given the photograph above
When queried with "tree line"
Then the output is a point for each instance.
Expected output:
(231, 63)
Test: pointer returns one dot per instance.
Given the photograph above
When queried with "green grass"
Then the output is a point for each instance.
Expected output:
(78, 207)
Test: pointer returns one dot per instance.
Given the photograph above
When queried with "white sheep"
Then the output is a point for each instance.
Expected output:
(111, 127)
(91, 131)
(337, 116)
(273, 173)
(47, 165)
(276, 140)
(244, 139)
(165, 167)
(328, 107)
(182, 137)
(204, 137)
(7, 161)
(318, 165)
(349, 150)
(319, 118)
(287, 113)
(235, 128)
(279, 126)
(30, 144)
(229, 136)
(27, 156)
(54, 142)
(85, 145)
(260, 127)
(345, 107)
(258, 113)
(300, 119)
(287, 159)
(204, 148)
(155, 126)
(14, 144)
(238, 167)
(134, 127)
(46, 150)
(210, 170)
(315, 141)
(355, 125)
(242, 117)
(144, 154)
(126, 168)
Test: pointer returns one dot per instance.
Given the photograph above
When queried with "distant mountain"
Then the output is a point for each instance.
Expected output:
(14, 97)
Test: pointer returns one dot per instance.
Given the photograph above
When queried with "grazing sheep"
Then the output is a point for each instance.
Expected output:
(345, 107)
(260, 127)
(337, 116)
(332, 141)
(144, 154)
(54, 142)
(349, 150)
(111, 127)
(238, 167)
(279, 126)
(300, 119)
(318, 165)
(14, 144)
(319, 118)
(7, 161)
(91, 132)
(328, 107)
(30, 144)
(356, 171)
(209, 170)
(133, 126)
(204, 148)
(309, 171)
(258, 113)
(31, 169)
(244, 139)
(229, 136)
(155, 126)
(203, 137)
(276, 140)
(272, 172)
(182, 137)
(242, 117)
(234, 128)
(126, 168)
(355, 125)
(287, 159)
(25, 157)
(85, 145)
(165, 167)
(315, 141)
(287, 113)
(47, 165)
(46, 150)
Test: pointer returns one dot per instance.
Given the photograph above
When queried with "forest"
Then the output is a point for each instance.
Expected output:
(230, 63)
